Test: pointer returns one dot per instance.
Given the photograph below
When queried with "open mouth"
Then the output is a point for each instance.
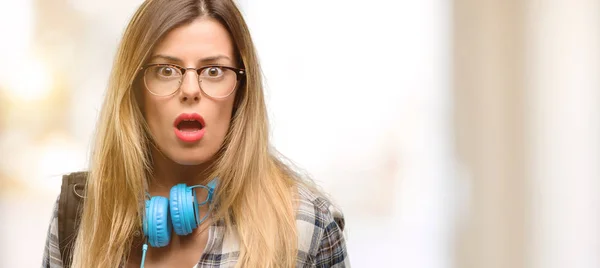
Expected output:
(189, 125)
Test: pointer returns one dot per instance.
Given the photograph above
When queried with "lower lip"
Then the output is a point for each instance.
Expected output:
(189, 136)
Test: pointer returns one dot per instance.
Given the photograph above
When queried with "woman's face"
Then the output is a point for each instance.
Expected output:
(188, 126)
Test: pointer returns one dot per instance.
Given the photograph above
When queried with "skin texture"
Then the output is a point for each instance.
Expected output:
(175, 160)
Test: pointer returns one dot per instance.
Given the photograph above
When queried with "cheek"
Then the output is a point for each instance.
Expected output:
(220, 117)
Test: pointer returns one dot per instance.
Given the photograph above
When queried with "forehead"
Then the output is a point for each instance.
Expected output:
(203, 37)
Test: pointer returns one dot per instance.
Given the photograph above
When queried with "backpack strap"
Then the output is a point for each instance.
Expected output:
(69, 211)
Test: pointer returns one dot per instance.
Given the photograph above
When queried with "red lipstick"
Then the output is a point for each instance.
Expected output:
(189, 127)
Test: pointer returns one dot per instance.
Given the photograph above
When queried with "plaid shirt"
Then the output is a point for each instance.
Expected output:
(321, 241)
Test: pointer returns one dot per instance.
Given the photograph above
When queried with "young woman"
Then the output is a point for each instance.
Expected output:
(182, 173)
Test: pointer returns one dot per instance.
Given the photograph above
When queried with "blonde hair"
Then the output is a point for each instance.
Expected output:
(256, 189)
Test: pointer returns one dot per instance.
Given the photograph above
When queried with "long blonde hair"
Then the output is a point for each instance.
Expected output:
(256, 189)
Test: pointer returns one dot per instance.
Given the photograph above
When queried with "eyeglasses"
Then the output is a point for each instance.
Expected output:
(214, 80)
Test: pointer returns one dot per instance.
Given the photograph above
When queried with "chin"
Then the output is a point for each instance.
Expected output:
(188, 158)
(189, 162)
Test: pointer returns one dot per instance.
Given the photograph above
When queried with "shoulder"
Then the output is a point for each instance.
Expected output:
(321, 225)
(62, 228)
(52, 256)
(316, 208)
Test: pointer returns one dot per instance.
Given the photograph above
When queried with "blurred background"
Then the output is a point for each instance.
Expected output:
(453, 134)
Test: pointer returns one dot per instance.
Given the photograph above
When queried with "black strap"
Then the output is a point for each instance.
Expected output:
(69, 212)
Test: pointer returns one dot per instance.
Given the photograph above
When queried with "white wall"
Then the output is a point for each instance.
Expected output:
(564, 75)
(359, 96)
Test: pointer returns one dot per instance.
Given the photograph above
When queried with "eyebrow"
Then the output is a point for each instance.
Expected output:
(202, 61)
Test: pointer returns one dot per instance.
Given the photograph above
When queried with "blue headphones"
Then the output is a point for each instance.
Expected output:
(178, 213)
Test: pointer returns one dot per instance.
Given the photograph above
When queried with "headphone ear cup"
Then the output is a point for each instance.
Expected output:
(157, 222)
(182, 204)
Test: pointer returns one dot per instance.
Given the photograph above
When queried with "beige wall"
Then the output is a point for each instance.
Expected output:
(488, 88)
(563, 78)
(527, 97)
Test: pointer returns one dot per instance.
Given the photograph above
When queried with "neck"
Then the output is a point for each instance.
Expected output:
(167, 173)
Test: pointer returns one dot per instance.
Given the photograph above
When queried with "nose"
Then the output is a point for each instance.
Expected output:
(190, 88)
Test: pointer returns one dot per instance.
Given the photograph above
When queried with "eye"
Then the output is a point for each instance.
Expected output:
(212, 72)
(166, 71)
